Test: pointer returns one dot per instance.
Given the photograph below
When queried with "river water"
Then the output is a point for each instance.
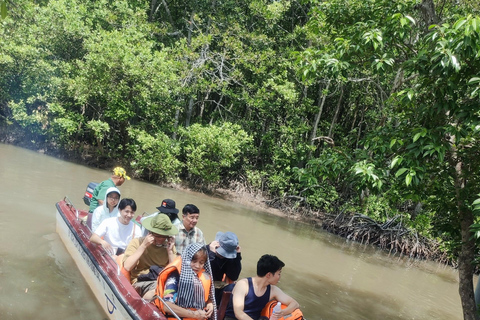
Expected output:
(331, 279)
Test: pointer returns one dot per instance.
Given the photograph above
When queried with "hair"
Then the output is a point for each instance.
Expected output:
(114, 191)
(190, 208)
(201, 252)
(268, 263)
(127, 202)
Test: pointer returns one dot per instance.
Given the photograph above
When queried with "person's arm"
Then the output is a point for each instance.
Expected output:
(172, 252)
(186, 313)
(95, 238)
(96, 218)
(239, 293)
(234, 267)
(101, 195)
(131, 261)
(277, 294)
(200, 237)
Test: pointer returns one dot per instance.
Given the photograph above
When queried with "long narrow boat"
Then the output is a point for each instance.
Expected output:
(113, 291)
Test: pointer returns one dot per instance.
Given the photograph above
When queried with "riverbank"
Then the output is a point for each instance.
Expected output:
(391, 236)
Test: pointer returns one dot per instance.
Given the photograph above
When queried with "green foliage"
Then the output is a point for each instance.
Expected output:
(391, 106)
(212, 151)
(378, 208)
(154, 157)
(367, 176)
(317, 182)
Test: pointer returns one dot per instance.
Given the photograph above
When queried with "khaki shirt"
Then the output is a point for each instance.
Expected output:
(153, 255)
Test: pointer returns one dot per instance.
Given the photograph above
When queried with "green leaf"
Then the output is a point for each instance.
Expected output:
(410, 94)
(410, 18)
(408, 179)
(417, 136)
(400, 172)
(474, 80)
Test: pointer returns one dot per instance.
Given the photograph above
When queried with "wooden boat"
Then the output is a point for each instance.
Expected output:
(113, 291)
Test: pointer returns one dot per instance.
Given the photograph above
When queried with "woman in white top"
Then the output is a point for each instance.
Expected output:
(117, 232)
(108, 209)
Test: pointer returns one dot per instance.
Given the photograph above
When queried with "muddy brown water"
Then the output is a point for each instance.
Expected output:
(329, 277)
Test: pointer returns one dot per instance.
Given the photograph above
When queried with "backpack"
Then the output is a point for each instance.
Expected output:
(268, 310)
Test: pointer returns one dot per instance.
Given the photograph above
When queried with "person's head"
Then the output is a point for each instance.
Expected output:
(168, 207)
(126, 208)
(190, 215)
(271, 267)
(228, 244)
(112, 197)
(160, 227)
(119, 176)
(194, 261)
(195, 255)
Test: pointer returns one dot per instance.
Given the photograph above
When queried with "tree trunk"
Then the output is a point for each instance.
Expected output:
(467, 251)
(337, 111)
(321, 103)
(465, 267)
(427, 13)
(188, 116)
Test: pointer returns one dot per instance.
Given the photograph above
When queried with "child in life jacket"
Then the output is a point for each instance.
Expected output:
(186, 285)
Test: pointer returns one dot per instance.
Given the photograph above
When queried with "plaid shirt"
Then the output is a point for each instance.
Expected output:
(184, 237)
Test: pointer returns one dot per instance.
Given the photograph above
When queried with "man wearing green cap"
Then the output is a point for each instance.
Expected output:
(145, 257)
(119, 175)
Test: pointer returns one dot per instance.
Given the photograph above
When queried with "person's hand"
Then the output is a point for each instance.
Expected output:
(238, 249)
(170, 243)
(214, 245)
(108, 247)
(149, 240)
(200, 314)
(275, 316)
(209, 309)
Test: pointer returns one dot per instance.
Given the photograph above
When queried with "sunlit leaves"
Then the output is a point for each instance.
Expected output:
(211, 150)
(374, 37)
(367, 176)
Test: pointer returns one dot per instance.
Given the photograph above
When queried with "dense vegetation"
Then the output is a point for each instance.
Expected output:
(369, 107)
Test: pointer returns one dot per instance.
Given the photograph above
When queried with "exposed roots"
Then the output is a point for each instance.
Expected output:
(391, 235)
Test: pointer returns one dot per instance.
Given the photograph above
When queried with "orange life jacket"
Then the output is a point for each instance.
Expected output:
(268, 311)
(163, 276)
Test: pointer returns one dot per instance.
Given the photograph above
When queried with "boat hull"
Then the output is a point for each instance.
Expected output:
(113, 291)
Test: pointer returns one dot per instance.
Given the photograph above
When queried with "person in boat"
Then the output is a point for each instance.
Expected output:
(146, 256)
(186, 285)
(225, 260)
(117, 232)
(119, 175)
(251, 295)
(188, 232)
(167, 207)
(108, 209)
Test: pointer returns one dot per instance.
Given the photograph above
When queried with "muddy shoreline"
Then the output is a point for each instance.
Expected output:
(391, 237)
